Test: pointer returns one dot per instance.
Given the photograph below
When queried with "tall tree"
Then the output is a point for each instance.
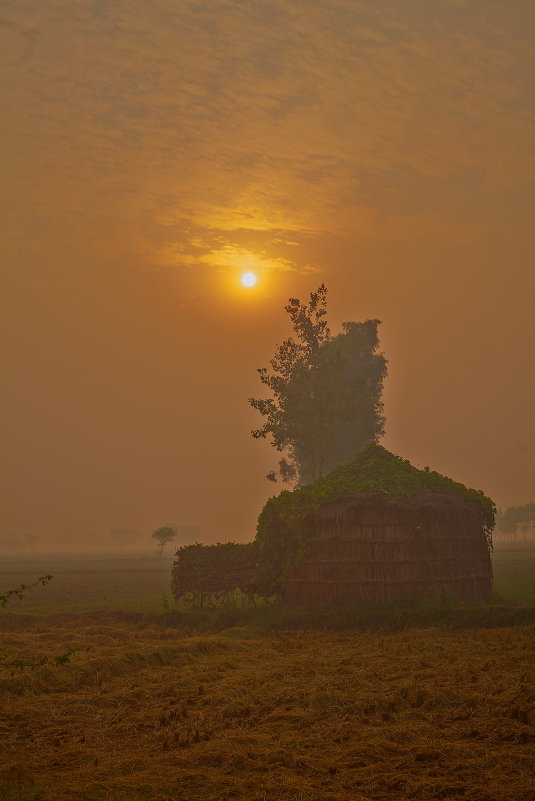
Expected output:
(326, 402)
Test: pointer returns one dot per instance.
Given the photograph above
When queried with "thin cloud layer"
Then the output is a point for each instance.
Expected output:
(262, 116)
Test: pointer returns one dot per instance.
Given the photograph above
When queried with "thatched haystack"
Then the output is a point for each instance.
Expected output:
(377, 530)
(372, 548)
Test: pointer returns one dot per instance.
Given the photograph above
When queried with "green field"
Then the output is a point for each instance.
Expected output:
(142, 583)
(514, 572)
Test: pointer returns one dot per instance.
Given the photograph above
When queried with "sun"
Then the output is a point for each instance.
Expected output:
(248, 279)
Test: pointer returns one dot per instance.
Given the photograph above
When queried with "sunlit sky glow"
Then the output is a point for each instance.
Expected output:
(155, 152)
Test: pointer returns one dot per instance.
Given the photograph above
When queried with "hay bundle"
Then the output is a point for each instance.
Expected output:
(374, 548)
(378, 529)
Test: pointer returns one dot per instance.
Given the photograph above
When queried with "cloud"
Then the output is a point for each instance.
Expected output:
(244, 260)
(269, 117)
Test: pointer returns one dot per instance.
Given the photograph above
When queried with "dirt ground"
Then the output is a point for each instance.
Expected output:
(148, 713)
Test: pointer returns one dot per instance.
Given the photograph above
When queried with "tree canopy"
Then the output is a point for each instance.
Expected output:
(163, 535)
(326, 389)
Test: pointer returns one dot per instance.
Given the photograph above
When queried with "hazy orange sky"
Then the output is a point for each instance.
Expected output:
(151, 151)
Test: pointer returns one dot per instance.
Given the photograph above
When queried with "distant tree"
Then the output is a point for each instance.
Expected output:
(163, 535)
(516, 517)
(326, 402)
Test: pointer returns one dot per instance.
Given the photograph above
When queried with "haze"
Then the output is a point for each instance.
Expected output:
(153, 152)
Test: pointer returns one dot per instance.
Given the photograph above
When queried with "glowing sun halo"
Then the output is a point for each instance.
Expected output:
(248, 279)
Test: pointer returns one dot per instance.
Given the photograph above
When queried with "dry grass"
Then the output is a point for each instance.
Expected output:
(144, 713)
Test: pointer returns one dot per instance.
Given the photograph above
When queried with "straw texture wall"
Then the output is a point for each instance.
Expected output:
(374, 548)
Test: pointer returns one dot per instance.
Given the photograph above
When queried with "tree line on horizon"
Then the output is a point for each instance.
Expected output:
(516, 518)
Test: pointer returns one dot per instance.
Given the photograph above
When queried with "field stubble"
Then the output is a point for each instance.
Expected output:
(150, 713)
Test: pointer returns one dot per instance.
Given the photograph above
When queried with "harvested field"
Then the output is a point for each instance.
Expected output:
(149, 713)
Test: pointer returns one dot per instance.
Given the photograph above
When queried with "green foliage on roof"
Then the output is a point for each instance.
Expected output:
(374, 470)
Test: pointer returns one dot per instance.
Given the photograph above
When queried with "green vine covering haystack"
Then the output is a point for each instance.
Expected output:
(287, 524)
(280, 534)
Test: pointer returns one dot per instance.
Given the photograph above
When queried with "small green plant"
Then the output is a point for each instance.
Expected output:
(19, 592)
(18, 663)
